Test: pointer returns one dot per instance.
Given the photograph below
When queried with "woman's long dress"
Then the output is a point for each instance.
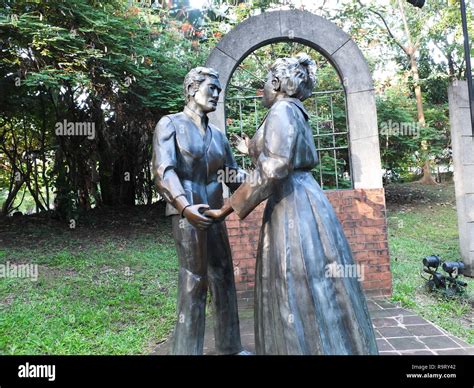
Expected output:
(299, 309)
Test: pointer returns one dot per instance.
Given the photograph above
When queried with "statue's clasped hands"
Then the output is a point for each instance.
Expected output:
(217, 215)
(202, 217)
(194, 215)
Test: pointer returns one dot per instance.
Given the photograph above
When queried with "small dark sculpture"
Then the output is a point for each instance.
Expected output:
(188, 154)
(449, 285)
(299, 307)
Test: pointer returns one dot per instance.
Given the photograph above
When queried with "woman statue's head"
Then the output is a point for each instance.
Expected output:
(290, 77)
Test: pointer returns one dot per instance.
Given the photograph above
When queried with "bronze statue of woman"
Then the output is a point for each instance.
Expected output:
(299, 308)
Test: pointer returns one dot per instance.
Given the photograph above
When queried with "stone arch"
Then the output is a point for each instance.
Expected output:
(340, 50)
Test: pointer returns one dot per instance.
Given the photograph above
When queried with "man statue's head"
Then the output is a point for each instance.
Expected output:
(202, 88)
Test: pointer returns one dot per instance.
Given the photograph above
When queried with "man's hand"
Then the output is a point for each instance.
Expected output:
(216, 214)
(195, 217)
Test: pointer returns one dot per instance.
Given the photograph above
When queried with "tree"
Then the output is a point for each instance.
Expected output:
(413, 38)
(408, 39)
(116, 67)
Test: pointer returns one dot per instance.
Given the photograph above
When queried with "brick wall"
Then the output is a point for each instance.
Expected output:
(362, 213)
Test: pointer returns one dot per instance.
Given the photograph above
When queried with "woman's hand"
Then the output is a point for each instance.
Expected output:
(242, 143)
(219, 215)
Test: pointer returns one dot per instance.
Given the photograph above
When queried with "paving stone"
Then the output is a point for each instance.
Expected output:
(386, 305)
(386, 313)
(408, 343)
(416, 353)
(464, 344)
(161, 349)
(389, 353)
(373, 306)
(452, 352)
(424, 330)
(440, 342)
(389, 332)
(386, 324)
(382, 322)
(413, 320)
(383, 345)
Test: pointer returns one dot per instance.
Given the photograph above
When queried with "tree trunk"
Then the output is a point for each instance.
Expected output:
(417, 87)
(411, 50)
(34, 194)
(105, 183)
(11, 197)
(428, 178)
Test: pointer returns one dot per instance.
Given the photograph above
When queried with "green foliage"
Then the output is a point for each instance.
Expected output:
(401, 136)
(245, 113)
(118, 67)
(433, 36)
(394, 110)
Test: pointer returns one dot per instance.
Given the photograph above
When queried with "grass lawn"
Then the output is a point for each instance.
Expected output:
(422, 221)
(106, 287)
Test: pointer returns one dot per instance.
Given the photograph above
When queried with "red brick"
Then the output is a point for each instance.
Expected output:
(373, 276)
(371, 261)
(333, 193)
(349, 232)
(350, 224)
(377, 284)
(241, 286)
(232, 223)
(357, 239)
(371, 230)
(248, 239)
(357, 247)
(231, 232)
(384, 268)
(365, 255)
(245, 263)
(239, 255)
(250, 270)
(378, 222)
(348, 193)
(376, 245)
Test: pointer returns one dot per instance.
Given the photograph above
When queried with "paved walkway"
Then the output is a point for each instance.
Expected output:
(398, 331)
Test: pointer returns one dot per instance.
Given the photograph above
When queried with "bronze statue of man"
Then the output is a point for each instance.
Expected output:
(191, 158)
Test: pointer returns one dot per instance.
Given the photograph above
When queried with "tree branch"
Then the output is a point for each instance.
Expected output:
(390, 33)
